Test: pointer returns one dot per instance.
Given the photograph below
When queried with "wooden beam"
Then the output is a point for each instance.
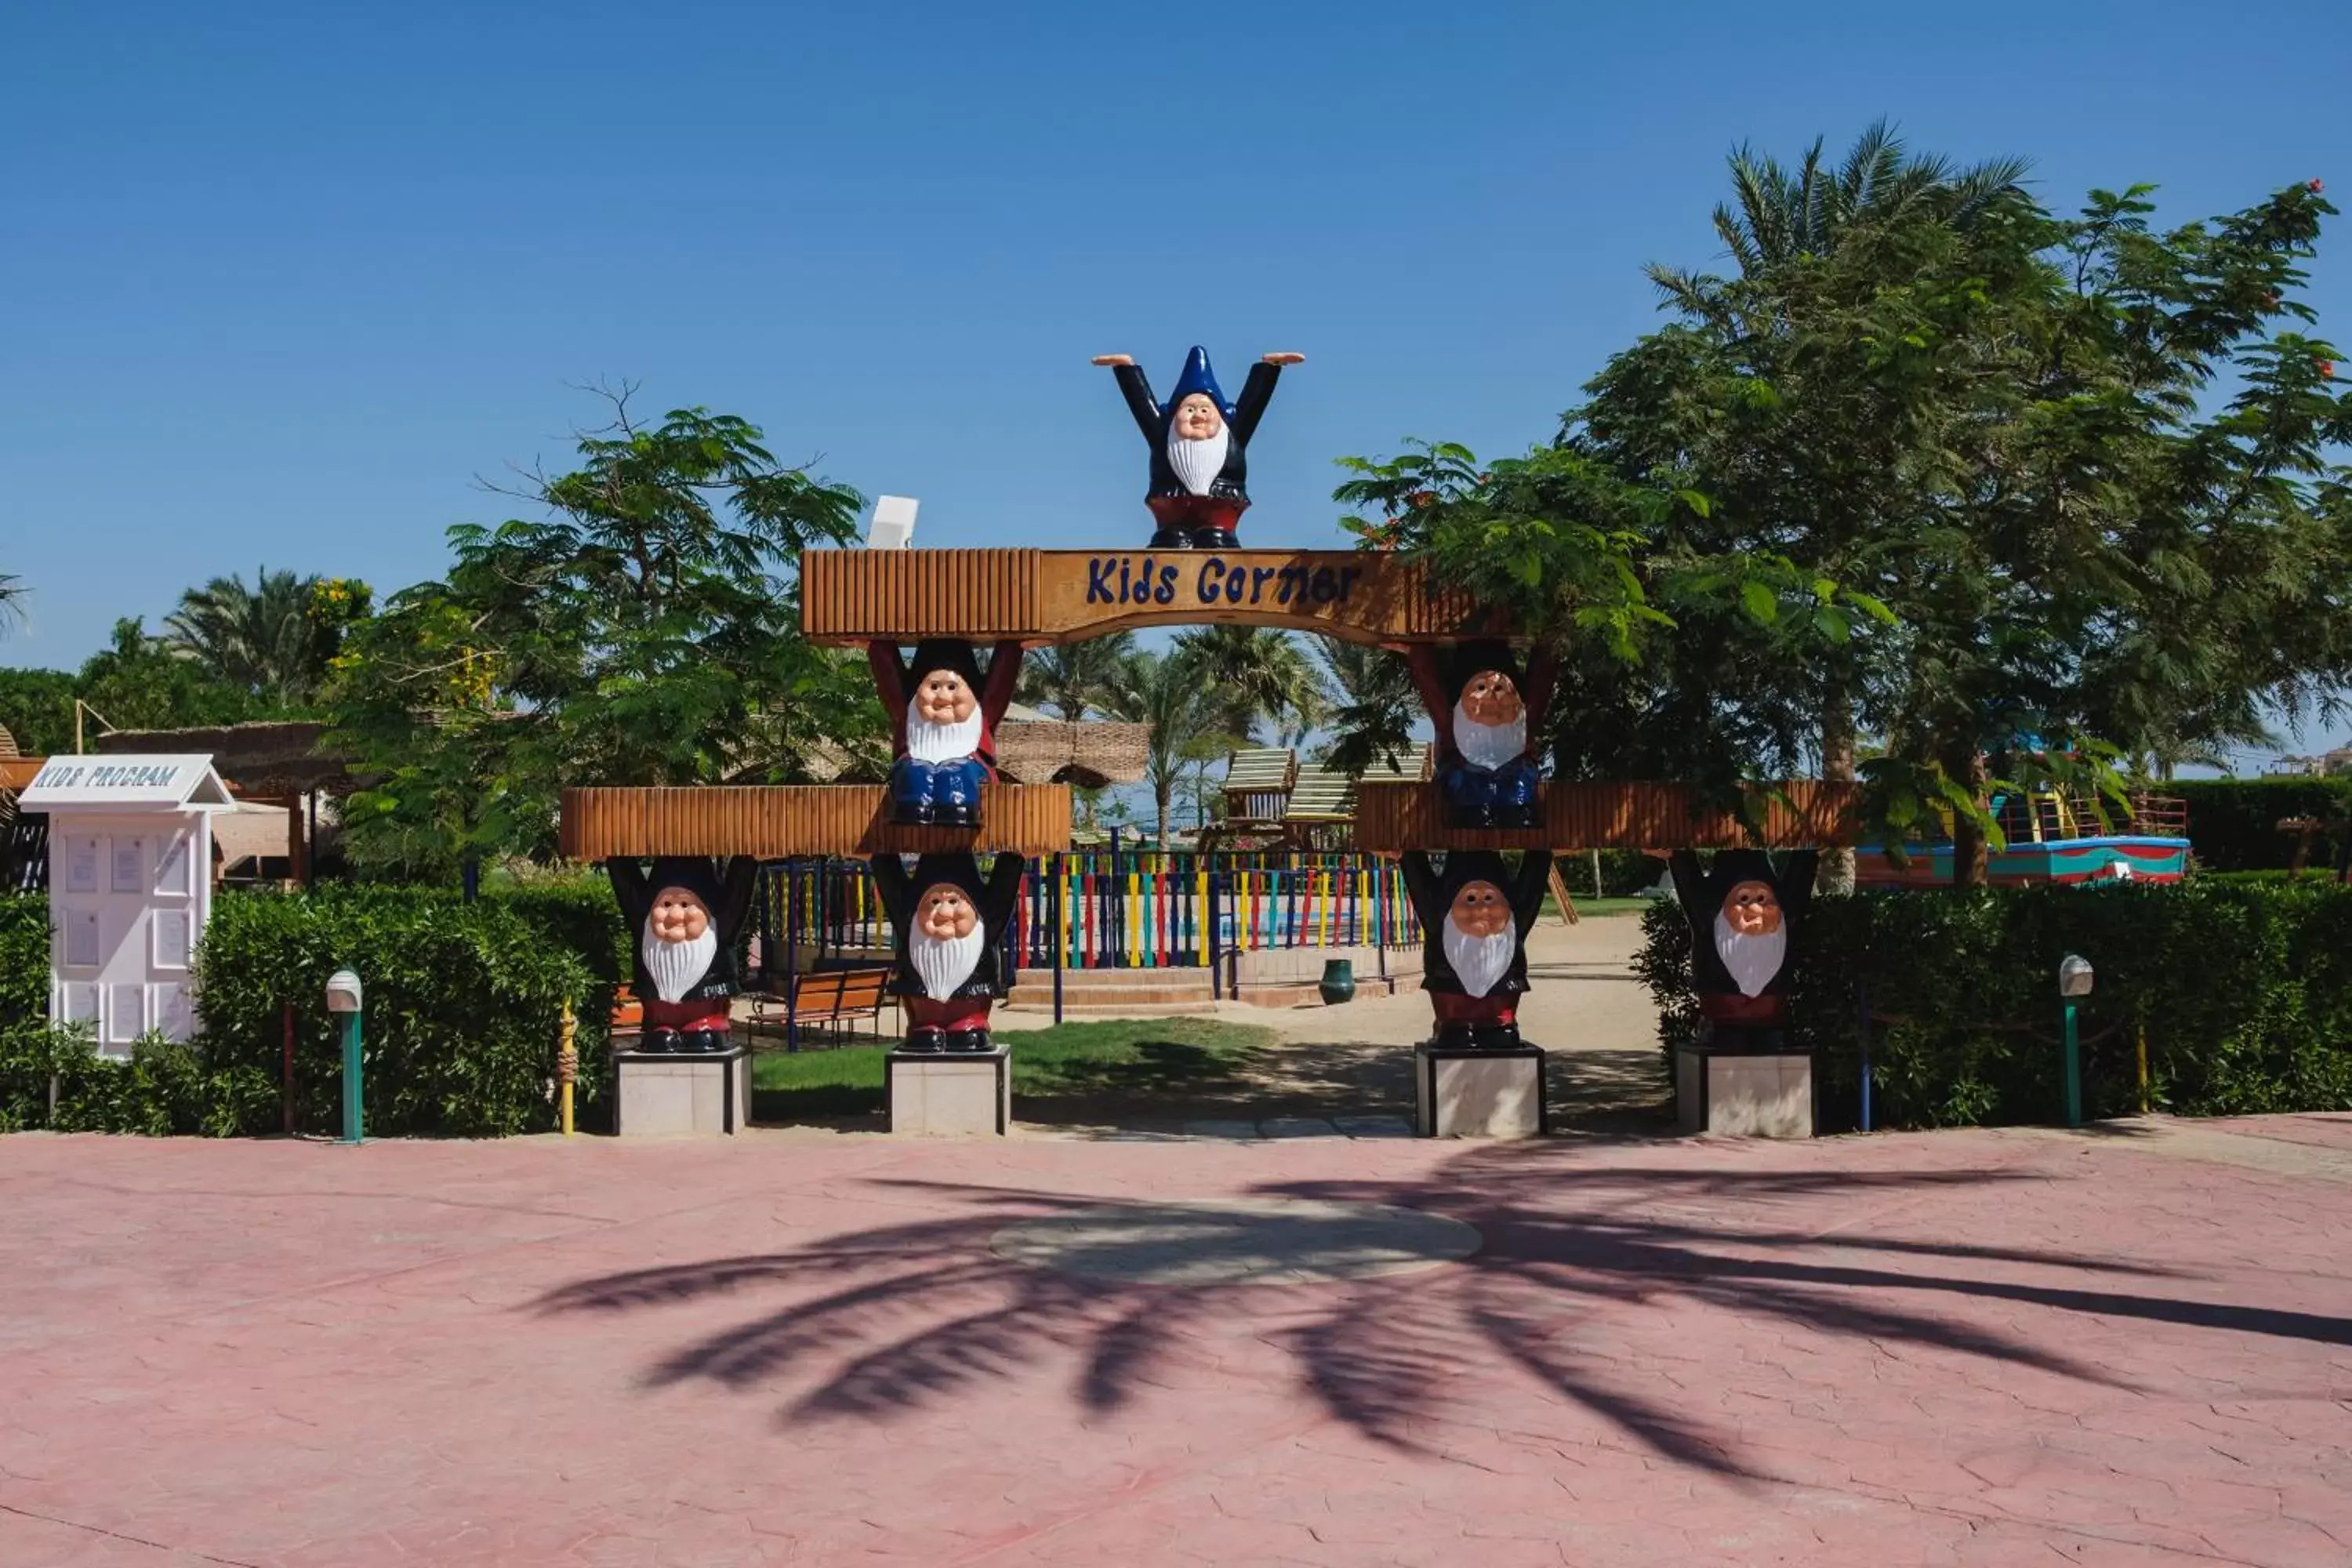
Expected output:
(1393, 817)
(1039, 596)
(17, 773)
(780, 820)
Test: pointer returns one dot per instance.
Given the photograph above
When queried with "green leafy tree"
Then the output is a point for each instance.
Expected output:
(645, 631)
(1186, 719)
(1257, 674)
(1076, 677)
(1372, 720)
(1995, 421)
(273, 639)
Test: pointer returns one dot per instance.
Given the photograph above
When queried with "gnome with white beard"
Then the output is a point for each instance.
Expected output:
(1743, 916)
(1485, 712)
(950, 927)
(687, 919)
(1475, 917)
(943, 716)
(1200, 446)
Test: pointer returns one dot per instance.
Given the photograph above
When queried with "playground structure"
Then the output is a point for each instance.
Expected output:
(2055, 838)
(1270, 797)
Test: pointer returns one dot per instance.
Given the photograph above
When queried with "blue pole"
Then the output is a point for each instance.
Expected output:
(792, 959)
(1061, 936)
(1862, 1020)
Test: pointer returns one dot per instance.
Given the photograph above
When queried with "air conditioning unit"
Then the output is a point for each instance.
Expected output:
(893, 527)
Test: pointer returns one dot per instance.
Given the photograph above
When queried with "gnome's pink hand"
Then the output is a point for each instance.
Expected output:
(1276, 359)
(1114, 359)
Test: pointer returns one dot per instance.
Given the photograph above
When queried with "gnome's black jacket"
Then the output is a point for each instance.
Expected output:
(1432, 897)
(995, 902)
(1232, 482)
(1701, 893)
(727, 895)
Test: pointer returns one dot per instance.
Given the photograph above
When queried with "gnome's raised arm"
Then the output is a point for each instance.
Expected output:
(1420, 886)
(1003, 675)
(629, 888)
(1535, 881)
(1256, 392)
(891, 882)
(1004, 890)
(1140, 403)
(742, 876)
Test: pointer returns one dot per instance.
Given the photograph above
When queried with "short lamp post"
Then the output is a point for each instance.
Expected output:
(2074, 977)
(344, 1000)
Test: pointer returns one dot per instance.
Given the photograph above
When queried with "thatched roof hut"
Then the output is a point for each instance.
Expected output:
(1091, 752)
(270, 757)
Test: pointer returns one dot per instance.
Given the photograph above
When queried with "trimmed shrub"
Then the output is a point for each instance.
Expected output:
(24, 958)
(2244, 991)
(463, 1007)
(162, 1089)
(2233, 823)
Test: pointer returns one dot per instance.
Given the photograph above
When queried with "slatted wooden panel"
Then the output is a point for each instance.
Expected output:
(1391, 817)
(17, 773)
(775, 821)
(1064, 596)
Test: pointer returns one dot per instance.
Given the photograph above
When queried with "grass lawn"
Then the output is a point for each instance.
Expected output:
(1144, 1056)
(1600, 907)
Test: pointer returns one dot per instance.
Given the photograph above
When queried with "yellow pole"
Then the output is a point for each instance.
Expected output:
(2143, 1067)
(1323, 927)
(567, 1064)
(1134, 920)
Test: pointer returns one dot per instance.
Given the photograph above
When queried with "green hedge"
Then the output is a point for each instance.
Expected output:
(464, 1002)
(2244, 991)
(2233, 823)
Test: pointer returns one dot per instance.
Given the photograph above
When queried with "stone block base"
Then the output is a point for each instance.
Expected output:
(1743, 1093)
(1479, 1094)
(948, 1094)
(665, 1095)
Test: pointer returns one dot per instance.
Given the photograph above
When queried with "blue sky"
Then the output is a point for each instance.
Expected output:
(283, 279)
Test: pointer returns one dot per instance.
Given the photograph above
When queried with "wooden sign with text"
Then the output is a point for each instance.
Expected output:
(1067, 595)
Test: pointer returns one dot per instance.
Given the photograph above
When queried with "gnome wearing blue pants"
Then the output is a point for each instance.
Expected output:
(1199, 442)
(943, 716)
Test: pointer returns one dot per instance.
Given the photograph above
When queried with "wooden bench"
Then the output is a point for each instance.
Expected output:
(825, 997)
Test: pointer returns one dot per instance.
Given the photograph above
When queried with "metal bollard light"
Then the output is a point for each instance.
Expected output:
(343, 999)
(2074, 977)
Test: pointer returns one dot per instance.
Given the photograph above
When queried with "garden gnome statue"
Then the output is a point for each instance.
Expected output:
(1199, 443)
(1485, 712)
(944, 717)
(950, 937)
(1743, 918)
(688, 918)
(1475, 919)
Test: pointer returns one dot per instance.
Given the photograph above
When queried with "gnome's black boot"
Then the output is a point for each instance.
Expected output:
(659, 1042)
(955, 815)
(1496, 1036)
(1457, 1037)
(1173, 539)
(971, 1041)
(703, 1042)
(926, 1039)
(1215, 539)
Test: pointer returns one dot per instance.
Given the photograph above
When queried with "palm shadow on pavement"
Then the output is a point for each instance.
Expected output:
(878, 1324)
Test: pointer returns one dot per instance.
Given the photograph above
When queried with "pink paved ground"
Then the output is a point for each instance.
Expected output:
(1959, 1348)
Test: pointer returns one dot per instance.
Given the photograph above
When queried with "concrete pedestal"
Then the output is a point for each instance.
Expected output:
(948, 1094)
(658, 1094)
(1479, 1094)
(1744, 1092)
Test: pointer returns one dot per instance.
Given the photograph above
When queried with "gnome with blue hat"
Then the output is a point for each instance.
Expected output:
(1199, 444)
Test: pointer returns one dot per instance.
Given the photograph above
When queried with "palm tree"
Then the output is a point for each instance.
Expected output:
(12, 591)
(261, 640)
(1783, 215)
(1163, 691)
(1071, 677)
(1376, 709)
(1256, 672)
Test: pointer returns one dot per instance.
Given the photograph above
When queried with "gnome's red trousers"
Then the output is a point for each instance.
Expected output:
(1478, 1012)
(1188, 514)
(683, 1017)
(955, 1013)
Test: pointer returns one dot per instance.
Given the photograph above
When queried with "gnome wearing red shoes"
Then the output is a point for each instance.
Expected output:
(950, 934)
(688, 919)
(1200, 446)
